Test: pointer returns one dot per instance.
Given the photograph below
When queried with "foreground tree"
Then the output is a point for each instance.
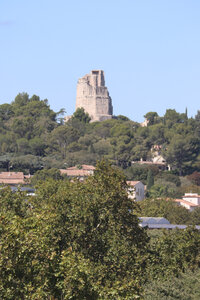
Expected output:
(79, 241)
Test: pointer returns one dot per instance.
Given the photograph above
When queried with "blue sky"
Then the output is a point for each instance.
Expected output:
(148, 49)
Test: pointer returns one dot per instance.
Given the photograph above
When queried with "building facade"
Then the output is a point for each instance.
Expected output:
(93, 96)
(136, 190)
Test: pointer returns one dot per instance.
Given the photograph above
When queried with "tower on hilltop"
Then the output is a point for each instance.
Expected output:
(93, 96)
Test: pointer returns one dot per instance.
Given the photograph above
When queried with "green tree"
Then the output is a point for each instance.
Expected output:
(77, 240)
(122, 118)
(185, 286)
(103, 230)
(81, 115)
(60, 114)
(182, 151)
(165, 208)
(174, 252)
(164, 189)
(194, 178)
(150, 179)
(37, 146)
(45, 174)
(6, 111)
(23, 145)
(62, 136)
(27, 163)
(20, 100)
(152, 118)
(195, 216)
(171, 117)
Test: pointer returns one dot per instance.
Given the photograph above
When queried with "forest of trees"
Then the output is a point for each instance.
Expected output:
(33, 137)
(75, 240)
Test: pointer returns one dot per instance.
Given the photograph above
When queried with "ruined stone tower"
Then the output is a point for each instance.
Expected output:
(93, 96)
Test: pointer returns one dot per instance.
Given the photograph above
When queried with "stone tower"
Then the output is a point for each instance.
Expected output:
(93, 96)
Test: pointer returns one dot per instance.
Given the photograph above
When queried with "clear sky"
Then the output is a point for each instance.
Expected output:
(148, 49)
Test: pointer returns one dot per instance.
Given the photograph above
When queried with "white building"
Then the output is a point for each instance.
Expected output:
(189, 201)
(192, 197)
(136, 190)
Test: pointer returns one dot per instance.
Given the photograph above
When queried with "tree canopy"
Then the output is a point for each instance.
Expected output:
(72, 240)
(30, 127)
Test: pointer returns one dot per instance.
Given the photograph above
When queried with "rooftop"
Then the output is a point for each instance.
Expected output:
(12, 177)
(133, 183)
(78, 171)
(186, 202)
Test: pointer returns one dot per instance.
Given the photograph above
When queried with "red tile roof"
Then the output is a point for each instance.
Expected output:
(85, 170)
(12, 177)
(186, 202)
(75, 173)
(144, 162)
(133, 183)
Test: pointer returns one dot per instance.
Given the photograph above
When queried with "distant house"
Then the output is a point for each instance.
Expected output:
(156, 159)
(12, 178)
(160, 163)
(160, 223)
(189, 201)
(153, 220)
(78, 171)
(136, 190)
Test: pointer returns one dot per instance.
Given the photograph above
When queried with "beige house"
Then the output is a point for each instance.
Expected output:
(13, 178)
(190, 201)
(136, 190)
(78, 171)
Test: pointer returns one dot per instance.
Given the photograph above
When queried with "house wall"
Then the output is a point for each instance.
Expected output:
(190, 208)
(195, 199)
(137, 191)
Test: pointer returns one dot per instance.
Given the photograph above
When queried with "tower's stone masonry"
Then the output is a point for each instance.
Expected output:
(93, 96)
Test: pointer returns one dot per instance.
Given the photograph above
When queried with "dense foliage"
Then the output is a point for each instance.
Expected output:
(33, 137)
(78, 240)
(168, 209)
(72, 241)
(183, 287)
(174, 265)
(82, 240)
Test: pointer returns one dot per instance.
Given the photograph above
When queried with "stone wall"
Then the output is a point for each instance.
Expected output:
(93, 96)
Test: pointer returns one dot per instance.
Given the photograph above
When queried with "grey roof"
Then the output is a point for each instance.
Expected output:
(152, 220)
(166, 226)
(22, 189)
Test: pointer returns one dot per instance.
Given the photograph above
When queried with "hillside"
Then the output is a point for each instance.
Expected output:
(33, 137)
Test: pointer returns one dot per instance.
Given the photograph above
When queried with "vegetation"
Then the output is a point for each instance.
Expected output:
(174, 265)
(168, 209)
(78, 240)
(75, 240)
(33, 137)
(72, 241)
(183, 287)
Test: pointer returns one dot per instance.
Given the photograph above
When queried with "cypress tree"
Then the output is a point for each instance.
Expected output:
(150, 180)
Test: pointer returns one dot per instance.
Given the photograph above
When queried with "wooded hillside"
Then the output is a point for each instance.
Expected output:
(32, 137)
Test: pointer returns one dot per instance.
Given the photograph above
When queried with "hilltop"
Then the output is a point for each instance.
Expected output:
(34, 137)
